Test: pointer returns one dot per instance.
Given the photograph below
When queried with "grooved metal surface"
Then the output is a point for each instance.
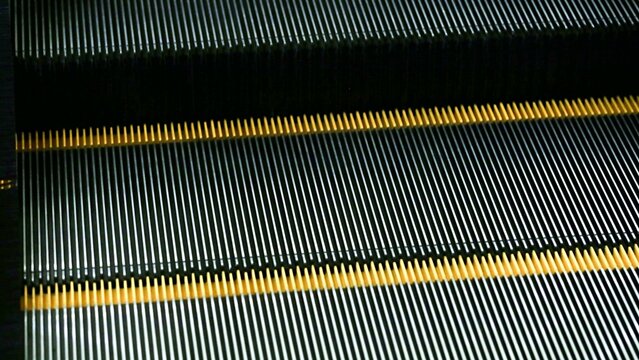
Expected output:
(582, 315)
(328, 198)
(73, 28)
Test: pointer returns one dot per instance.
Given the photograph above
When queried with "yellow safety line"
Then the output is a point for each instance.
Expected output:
(6, 184)
(325, 278)
(291, 125)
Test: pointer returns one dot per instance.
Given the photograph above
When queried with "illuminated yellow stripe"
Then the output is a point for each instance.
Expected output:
(6, 184)
(325, 278)
(291, 125)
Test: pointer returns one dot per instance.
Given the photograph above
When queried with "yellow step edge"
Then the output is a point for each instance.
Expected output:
(306, 124)
(326, 278)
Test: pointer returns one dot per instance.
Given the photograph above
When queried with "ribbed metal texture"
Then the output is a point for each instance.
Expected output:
(328, 198)
(73, 27)
(148, 61)
(584, 315)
